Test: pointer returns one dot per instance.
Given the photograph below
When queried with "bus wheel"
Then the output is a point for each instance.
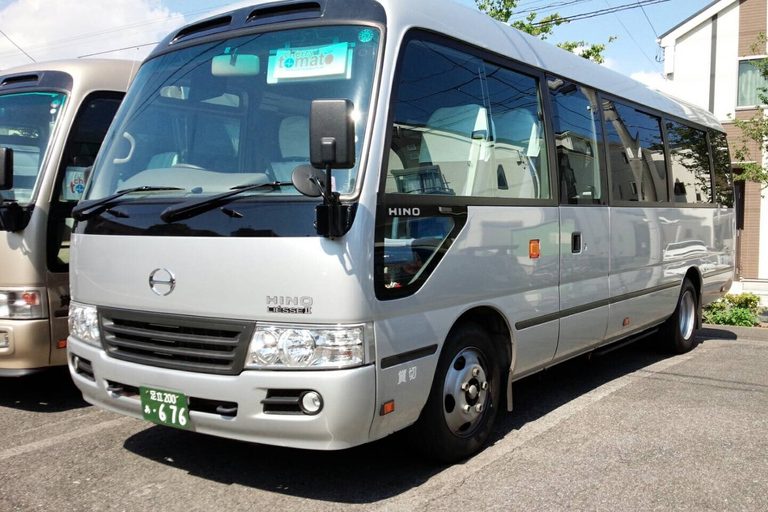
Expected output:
(679, 331)
(462, 403)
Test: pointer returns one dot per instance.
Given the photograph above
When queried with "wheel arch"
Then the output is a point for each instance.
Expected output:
(697, 280)
(498, 327)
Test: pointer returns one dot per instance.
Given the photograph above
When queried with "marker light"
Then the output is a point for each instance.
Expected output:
(534, 250)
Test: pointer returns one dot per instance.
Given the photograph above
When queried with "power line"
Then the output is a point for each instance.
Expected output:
(649, 19)
(51, 45)
(118, 49)
(603, 12)
(17, 46)
(630, 34)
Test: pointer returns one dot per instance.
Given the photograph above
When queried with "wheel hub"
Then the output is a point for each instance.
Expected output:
(465, 392)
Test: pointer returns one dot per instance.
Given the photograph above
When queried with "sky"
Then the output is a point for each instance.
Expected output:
(55, 29)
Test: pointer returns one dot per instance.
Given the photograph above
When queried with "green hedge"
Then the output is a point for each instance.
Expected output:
(742, 310)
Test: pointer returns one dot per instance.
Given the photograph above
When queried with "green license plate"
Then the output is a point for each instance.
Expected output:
(164, 407)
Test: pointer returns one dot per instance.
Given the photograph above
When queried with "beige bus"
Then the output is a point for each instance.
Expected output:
(53, 118)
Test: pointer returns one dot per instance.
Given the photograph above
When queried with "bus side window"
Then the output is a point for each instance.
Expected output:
(689, 159)
(635, 154)
(721, 159)
(83, 144)
(519, 152)
(579, 141)
(466, 127)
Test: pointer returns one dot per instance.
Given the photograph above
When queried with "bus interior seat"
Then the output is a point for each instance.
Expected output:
(214, 149)
(293, 141)
(448, 143)
(568, 191)
(514, 131)
(163, 160)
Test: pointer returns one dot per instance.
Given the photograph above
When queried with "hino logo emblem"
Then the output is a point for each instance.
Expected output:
(162, 282)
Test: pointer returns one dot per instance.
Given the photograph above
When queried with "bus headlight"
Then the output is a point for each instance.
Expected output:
(297, 346)
(22, 304)
(84, 323)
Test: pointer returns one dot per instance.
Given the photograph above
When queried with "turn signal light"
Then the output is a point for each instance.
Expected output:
(62, 344)
(534, 251)
(387, 407)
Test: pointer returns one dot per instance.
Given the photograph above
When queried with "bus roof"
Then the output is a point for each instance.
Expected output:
(474, 27)
(92, 74)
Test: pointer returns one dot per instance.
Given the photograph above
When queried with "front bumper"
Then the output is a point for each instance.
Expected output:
(349, 399)
(29, 346)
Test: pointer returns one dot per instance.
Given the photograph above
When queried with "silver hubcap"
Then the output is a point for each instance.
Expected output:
(465, 392)
(687, 314)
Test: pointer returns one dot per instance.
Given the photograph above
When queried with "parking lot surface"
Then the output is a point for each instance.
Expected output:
(634, 429)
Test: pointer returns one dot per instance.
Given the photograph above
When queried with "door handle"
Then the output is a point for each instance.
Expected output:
(576, 242)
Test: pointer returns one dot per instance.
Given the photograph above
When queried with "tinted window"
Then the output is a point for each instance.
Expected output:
(722, 165)
(27, 124)
(465, 127)
(689, 158)
(578, 138)
(636, 154)
(85, 138)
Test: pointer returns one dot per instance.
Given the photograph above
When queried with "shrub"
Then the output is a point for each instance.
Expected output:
(742, 310)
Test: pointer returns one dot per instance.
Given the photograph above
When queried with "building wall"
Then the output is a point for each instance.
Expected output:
(752, 21)
(692, 65)
(727, 66)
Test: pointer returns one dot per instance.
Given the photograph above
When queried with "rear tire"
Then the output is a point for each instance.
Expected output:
(462, 404)
(679, 331)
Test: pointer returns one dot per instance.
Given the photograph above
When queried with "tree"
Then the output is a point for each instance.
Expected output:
(502, 10)
(754, 131)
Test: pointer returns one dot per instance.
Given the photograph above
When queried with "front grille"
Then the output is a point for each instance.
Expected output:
(180, 343)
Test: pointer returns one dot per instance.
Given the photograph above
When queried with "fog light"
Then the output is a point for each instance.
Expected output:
(5, 340)
(311, 402)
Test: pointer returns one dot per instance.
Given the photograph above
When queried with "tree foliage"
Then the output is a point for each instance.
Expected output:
(503, 10)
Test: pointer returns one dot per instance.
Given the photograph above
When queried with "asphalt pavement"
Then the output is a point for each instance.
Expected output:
(633, 429)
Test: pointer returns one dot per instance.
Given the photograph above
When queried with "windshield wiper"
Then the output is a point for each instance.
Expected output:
(88, 209)
(189, 209)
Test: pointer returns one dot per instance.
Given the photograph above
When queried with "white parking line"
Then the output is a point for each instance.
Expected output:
(47, 443)
(453, 478)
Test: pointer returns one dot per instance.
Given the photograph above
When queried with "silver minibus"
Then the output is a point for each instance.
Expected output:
(315, 223)
(53, 117)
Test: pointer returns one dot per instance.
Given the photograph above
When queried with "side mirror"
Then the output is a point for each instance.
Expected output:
(332, 134)
(6, 168)
(13, 218)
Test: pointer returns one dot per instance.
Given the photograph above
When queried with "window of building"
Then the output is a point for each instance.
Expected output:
(751, 84)
(689, 159)
(578, 138)
(466, 127)
(635, 154)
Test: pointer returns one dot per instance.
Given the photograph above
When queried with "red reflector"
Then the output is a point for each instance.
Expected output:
(30, 298)
(626, 322)
(387, 407)
(62, 344)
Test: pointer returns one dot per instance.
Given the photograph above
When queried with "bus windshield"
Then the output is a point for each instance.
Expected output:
(235, 112)
(27, 123)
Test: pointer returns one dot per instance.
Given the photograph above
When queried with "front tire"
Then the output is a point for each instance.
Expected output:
(679, 331)
(462, 404)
